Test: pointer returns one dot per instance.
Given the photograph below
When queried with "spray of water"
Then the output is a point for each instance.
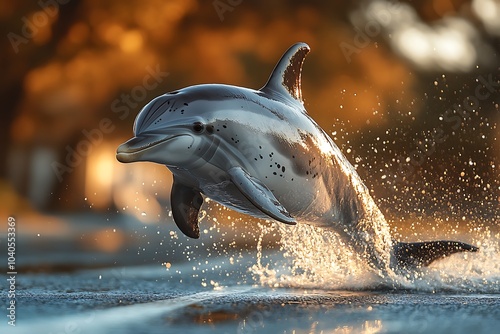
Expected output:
(317, 258)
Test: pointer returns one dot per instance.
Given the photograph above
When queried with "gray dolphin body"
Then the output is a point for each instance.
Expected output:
(260, 153)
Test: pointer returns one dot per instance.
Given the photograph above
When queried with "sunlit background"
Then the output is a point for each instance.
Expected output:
(387, 80)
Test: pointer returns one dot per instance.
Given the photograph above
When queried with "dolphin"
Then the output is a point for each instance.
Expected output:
(260, 153)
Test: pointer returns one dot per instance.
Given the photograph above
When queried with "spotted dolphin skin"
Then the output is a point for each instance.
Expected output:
(259, 152)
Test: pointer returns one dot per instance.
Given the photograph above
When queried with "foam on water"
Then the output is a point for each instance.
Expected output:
(317, 258)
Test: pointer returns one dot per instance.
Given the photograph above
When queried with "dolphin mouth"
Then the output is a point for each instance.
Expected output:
(133, 149)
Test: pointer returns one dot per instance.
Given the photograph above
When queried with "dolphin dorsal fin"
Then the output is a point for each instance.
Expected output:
(286, 76)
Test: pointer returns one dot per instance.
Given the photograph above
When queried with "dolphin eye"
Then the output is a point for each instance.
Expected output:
(198, 127)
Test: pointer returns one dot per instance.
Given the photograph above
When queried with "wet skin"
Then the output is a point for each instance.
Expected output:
(260, 153)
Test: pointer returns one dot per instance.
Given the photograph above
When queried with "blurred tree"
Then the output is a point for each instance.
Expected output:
(379, 78)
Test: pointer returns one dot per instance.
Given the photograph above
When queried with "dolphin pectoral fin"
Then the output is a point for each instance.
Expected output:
(259, 195)
(186, 203)
(285, 79)
(421, 254)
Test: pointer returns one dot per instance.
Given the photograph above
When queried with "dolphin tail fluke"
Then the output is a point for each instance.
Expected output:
(421, 254)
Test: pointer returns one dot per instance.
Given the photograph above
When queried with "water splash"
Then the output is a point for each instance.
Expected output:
(317, 258)
(312, 258)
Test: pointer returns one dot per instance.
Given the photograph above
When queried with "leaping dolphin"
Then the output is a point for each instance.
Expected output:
(259, 152)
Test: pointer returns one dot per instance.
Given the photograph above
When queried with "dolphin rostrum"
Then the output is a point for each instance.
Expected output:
(259, 152)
